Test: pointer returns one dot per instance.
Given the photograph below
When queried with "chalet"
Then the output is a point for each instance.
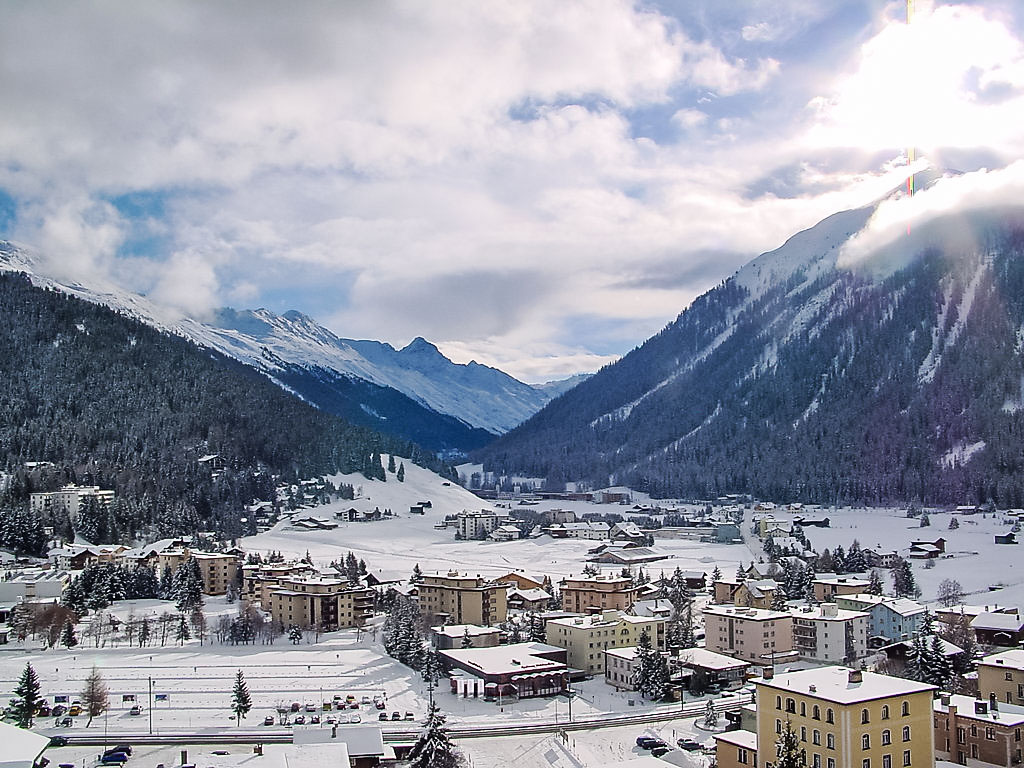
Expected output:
(1005, 629)
(927, 550)
(585, 530)
(826, 589)
(708, 668)
(417, 509)
(1006, 538)
(879, 558)
(890, 619)
(627, 531)
(631, 556)
(659, 608)
(349, 515)
(522, 580)
(904, 649)
(505, 533)
(528, 599)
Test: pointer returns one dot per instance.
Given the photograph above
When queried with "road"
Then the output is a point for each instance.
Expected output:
(276, 735)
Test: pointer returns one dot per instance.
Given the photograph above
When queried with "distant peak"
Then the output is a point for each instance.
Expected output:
(294, 316)
(420, 346)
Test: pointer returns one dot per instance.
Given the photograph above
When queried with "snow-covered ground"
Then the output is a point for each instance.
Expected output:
(972, 556)
(392, 547)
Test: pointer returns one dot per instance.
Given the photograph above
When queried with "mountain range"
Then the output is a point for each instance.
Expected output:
(414, 392)
(899, 376)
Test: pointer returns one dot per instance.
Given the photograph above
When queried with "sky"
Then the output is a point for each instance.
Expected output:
(538, 186)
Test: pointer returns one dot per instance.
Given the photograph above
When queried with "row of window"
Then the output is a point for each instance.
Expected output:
(830, 739)
(865, 715)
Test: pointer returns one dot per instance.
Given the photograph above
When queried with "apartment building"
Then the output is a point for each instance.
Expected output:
(218, 569)
(464, 599)
(476, 525)
(585, 638)
(977, 733)
(843, 718)
(68, 499)
(598, 593)
(751, 634)
(890, 619)
(318, 602)
(259, 579)
(1002, 675)
(829, 633)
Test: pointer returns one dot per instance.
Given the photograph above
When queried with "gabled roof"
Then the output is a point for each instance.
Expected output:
(999, 622)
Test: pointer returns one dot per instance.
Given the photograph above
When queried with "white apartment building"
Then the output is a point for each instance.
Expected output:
(476, 525)
(831, 634)
(68, 499)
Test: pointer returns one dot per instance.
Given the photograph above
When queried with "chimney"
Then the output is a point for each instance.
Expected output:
(768, 673)
(945, 699)
(856, 676)
(993, 704)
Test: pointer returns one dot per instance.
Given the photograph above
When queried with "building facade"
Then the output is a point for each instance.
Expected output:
(751, 634)
(319, 602)
(1002, 676)
(464, 599)
(829, 633)
(585, 638)
(974, 733)
(598, 593)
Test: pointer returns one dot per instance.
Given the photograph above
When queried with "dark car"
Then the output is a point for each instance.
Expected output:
(126, 748)
(113, 758)
(659, 751)
(58, 710)
(396, 715)
(688, 744)
(651, 743)
(268, 720)
(58, 741)
(382, 716)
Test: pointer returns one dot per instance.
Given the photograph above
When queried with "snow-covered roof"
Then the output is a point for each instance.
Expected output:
(1013, 659)
(360, 739)
(833, 684)
(701, 657)
(628, 652)
(1006, 622)
(507, 659)
(530, 595)
(744, 739)
(1007, 715)
(827, 612)
(461, 630)
(737, 612)
(21, 747)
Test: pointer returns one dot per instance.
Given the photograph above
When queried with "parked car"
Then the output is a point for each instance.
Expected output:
(350, 697)
(135, 710)
(410, 716)
(114, 758)
(688, 744)
(314, 719)
(75, 710)
(43, 710)
(380, 704)
(354, 705)
(58, 741)
(355, 718)
(300, 720)
(382, 716)
(65, 722)
(641, 740)
(649, 742)
(126, 748)
(296, 706)
(331, 720)
(396, 715)
(268, 720)
(311, 707)
(365, 700)
(58, 710)
(659, 751)
(327, 705)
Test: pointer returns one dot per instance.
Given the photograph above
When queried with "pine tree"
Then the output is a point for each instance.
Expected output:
(875, 586)
(710, 716)
(295, 634)
(182, 633)
(67, 638)
(939, 668)
(467, 641)
(433, 748)
(788, 753)
(716, 575)
(779, 599)
(417, 574)
(651, 670)
(27, 697)
(144, 632)
(391, 463)
(953, 524)
(431, 668)
(94, 695)
(188, 586)
(401, 473)
(241, 701)
(903, 583)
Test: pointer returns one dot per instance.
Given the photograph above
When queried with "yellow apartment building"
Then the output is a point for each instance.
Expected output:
(318, 602)
(1002, 675)
(598, 593)
(585, 638)
(464, 599)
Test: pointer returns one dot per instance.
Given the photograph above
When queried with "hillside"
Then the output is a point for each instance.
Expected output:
(111, 401)
(900, 379)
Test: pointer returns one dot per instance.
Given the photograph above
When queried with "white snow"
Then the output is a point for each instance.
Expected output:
(941, 339)
(961, 453)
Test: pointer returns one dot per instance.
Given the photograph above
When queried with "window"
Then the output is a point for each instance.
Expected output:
(816, 737)
(905, 709)
(803, 709)
(816, 761)
(741, 756)
(886, 761)
(830, 762)
(906, 733)
(885, 711)
(886, 737)
(791, 706)
(1009, 676)
(830, 716)
(816, 712)
(866, 762)
(990, 733)
(803, 733)
(974, 729)
(865, 741)
(864, 717)
(778, 702)
(778, 726)
(906, 757)
(830, 741)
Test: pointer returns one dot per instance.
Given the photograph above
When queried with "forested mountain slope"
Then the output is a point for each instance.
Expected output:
(114, 402)
(900, 378)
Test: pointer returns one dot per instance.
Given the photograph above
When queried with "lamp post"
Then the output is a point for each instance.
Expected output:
(150, 705)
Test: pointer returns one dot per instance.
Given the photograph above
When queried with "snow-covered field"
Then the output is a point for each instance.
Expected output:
(972, 556)
(392, 547)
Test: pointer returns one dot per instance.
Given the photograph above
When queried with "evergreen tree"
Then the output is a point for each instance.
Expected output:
(144, 632)
(939, 669)
(241, 701)
(188, 586)
(27, 698)
(167, 584)
(953, 524)
(651, 675)
(351, 568)
(295, 634)
(433, 748)
(67, 638)
(417, 574)
(779, 599)
(401, 473)
(94, 695)
(182, 633)
(431, 668)
(535, 632)
(391, 463)
(788, 753)
(716, 574)
(903, 583)
(467, 642)
(875, 586)
(710, 715)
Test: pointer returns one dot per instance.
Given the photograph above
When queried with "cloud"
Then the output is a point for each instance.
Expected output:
(944, 214)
